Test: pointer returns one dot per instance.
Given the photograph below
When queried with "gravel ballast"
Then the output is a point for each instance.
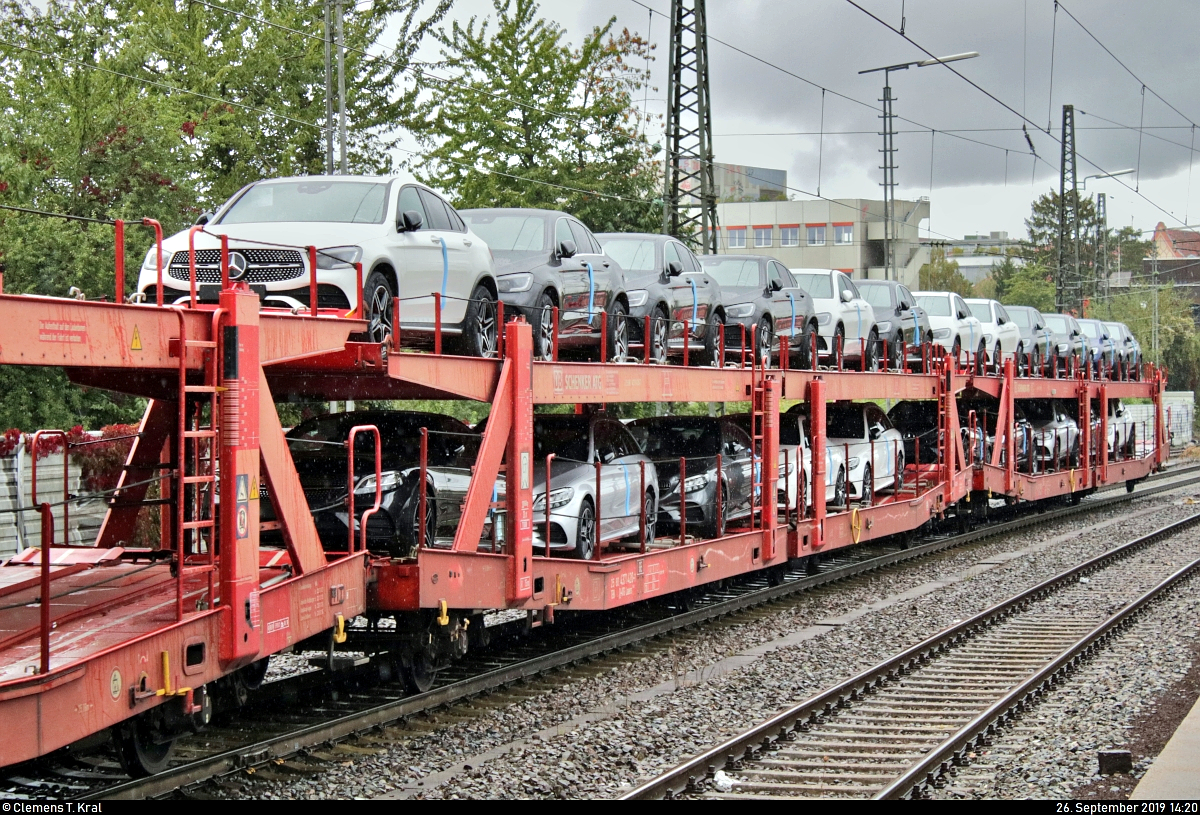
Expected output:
(591, 731)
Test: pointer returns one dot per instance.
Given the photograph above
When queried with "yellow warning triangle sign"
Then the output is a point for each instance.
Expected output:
(254, 490)
(136, 344)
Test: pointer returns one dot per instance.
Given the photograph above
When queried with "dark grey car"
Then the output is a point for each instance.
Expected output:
(664, 281)
(1035, 337)
(699, 440)
(1066, 341)
(901, 323)
(760, 294)
(547, 259)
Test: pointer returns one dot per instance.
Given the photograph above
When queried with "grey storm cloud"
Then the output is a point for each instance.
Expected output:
(829, 42)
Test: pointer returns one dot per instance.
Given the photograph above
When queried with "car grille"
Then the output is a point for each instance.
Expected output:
(263, 265)
(321, 497)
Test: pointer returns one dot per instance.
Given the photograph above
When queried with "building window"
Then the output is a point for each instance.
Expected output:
(789, 235)
(843, 234)
(737, 237)
(763, 236)
(816, 234)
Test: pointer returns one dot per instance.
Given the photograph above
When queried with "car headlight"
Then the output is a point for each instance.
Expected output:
(510, 283)
(558, 498)
(987, 338)
(389, 480)
(696, 483)
(638, 297)
(824, 318)
(739, 311)
(884, 327)
(151, 261)
(338, 257)
(941, 334)
(1063, 346)
(852, 464)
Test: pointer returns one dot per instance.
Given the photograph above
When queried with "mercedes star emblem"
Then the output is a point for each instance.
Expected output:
(237, 265)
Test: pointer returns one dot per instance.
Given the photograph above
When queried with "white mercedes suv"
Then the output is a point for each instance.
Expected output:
(410, 242)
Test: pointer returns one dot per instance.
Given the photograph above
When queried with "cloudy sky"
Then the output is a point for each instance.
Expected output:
(765, 117)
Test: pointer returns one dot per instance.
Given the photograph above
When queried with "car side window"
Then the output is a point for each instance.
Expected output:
(456, 222)
(905, 297)
(583, 240)
(843, 283)
(773, 275)
(605, 451)
(563, 232)
(690, 264)
(736, 442)
(410, 201)
(435, 210)
(1002, 313)
(670, 253)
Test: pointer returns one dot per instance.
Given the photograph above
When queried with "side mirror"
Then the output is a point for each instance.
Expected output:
(999, 320)
(876, 430)
(674, 268)
(567, 249)
(775, 285)
(410, 221)
(900, 309)
(204, 218)
(846, 296)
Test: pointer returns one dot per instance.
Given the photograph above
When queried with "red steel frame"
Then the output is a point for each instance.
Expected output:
(171, 355)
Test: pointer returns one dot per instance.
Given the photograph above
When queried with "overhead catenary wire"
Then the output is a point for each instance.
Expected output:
(1004, 104)
(1050, 95)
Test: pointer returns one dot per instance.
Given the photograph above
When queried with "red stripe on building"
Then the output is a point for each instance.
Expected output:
(789, 226)
(815, 224)
(764, 226)
(843, 223)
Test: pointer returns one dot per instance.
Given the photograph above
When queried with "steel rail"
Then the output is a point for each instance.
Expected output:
(952, 750)
(811, 711)
(288, 744)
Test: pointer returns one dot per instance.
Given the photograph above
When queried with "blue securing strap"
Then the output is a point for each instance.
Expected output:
(625, 471)
(695, 302)
(445, 265)
(591, 291)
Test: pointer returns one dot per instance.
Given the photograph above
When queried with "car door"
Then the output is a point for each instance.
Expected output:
(969, 331)
(882, 447)
(1010, 334)
(455, 278)
(908, 315)
(418, 261)
(605, 276)
(575, 290)
(737, 460)
(706, 290)
(857, 315)
(684, 305)
(612, 497)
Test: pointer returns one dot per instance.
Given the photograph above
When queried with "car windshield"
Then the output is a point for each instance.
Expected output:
(677, 438)
(789, 427)
(337, 202)
(565, 437)
(1021, 317)
(1040, 410)
(907, 414)
(450, 444)
(632, 255)
(876, 294)
(1057, 323)
(1114, 331)
(508, 232)
(732, 273)
(935, 305)
(817, 285)
(1090, 329)
(982, 311)
(844, 422)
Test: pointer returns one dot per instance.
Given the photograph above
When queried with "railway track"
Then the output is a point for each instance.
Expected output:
(301, 713)
(898, 728)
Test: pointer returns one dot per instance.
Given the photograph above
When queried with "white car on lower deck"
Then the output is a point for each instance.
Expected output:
(410, 242)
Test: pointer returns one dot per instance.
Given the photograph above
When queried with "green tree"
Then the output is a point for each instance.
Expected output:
(1029, 285)
(1041, 243)
(527, 120)
(940, 274)
(139, 108)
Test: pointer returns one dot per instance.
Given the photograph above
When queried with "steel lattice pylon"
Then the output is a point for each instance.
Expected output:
(1099, 287)
(690, 196)
(1068, 288)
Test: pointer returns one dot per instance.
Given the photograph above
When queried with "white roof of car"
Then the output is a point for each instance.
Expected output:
(803, 270)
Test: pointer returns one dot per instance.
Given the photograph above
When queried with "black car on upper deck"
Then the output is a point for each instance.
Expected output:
(760, 295)
(665, 282)
(546, 259)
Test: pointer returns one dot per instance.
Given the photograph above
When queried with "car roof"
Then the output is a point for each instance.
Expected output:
(980, 300)
(808, 270)
(733, 257)
(517, 211)
(891, 284)
(933, 294)
(644, 236)
(372, 178)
